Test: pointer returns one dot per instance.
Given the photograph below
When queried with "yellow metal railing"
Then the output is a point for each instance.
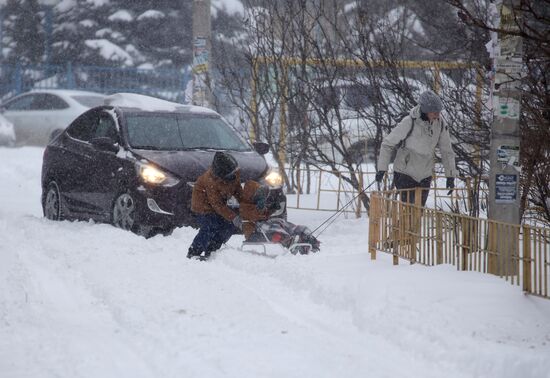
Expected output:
(326, 182)
(518, 253)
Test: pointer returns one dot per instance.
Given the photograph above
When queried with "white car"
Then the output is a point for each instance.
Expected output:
(7, 134)
(39, 114)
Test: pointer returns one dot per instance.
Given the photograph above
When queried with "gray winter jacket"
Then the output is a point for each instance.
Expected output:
(415, 157)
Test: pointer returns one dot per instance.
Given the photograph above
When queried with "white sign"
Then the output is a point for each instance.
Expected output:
(509, 65)
(510, 45)
(508, 155)
(506, 107)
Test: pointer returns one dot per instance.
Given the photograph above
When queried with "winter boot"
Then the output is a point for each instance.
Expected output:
(193, 253)
(204, 256)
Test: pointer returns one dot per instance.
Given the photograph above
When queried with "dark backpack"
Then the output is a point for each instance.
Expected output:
(401, 144)
(401, 117)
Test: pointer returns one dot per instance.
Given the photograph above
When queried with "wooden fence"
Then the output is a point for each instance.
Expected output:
(518, 253)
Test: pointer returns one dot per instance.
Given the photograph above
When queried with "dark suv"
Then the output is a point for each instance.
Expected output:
(134, 164)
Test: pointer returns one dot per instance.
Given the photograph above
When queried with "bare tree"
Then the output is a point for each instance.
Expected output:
(329, 81)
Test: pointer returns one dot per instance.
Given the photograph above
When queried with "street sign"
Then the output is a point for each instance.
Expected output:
(506, 107)
(508, 155)
(506, 188)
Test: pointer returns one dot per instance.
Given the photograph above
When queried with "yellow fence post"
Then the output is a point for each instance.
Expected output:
(397, 225)
(339, 191)
(439, 238)
(319, 189)
(492, 249)
(416, 226)
(465, 243)
(299, 179)
(374, 225)
(358, 210)
(254, 102)
(526, 259)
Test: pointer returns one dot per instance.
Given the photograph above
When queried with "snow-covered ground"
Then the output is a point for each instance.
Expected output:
(88, 300)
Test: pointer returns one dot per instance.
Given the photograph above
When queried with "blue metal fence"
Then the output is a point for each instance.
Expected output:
(169, 84)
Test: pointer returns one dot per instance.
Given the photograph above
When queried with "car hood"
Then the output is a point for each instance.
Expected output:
(189, 165)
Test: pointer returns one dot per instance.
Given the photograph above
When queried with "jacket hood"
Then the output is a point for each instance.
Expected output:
(189, 165)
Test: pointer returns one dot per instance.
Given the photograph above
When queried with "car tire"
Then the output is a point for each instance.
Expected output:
(124, 216)
(52, 206)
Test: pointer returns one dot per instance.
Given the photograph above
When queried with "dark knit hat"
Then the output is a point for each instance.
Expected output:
(224, 165)
(430, 102)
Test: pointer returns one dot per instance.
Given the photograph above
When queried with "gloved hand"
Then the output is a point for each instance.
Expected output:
(238, 222)
(380, 176)
(272, 202)
(260, 197)
(450, 184)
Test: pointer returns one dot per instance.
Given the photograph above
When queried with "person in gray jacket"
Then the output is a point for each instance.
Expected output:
(416, 138)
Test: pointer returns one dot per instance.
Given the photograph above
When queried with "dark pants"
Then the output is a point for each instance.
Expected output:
(214, 231)
(402, 181)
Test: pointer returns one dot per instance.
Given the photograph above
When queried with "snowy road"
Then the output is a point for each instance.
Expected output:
(79, 299)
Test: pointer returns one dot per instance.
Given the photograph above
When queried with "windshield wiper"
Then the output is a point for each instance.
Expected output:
(238, 149)
(148, 147)
(200, 148)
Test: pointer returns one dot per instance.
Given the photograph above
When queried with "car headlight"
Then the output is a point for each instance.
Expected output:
(274, 178)
(153, 175)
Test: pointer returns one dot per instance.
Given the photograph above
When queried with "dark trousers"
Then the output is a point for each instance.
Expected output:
(402, 181)
(214, 231)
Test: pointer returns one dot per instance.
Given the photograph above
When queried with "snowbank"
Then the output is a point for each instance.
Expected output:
(79, 299)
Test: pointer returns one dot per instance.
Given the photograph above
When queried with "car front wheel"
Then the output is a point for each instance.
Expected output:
(124, 211)
(52, 203)
(124, 215)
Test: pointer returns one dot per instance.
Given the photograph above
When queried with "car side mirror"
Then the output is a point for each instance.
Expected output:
(261, 148)
(105, 144)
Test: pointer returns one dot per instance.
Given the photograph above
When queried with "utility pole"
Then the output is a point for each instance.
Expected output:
(505, 169)
(202, 45)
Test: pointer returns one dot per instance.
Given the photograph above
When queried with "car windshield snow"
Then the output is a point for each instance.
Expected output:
(181, 132)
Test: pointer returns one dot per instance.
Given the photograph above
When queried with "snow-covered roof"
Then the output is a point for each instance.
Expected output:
(110, 51)
(98, 3)
(151, 104)
(65, 5)
(151, 14)
(121, 15)
(67, 92)
(232, 7)
(87, 23)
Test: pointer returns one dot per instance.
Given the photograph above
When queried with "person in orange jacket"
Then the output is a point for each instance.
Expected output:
(217, 221)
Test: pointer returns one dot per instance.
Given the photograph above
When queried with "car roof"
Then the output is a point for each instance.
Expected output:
(67, 92)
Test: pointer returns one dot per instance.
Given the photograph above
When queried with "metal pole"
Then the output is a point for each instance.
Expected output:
(1, 36)
(202, 46)
(48, 14)
(504, 174)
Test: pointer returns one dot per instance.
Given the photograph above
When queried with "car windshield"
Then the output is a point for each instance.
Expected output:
(89, 101)
(181, 132)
